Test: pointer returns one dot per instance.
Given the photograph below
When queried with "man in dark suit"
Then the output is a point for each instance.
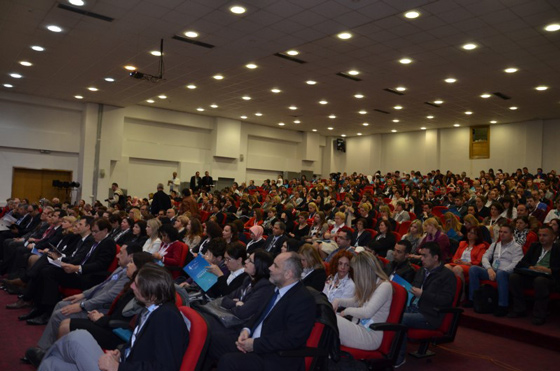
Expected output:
(285, 324)
(161, 201)
(274, 243)
(401, 264)
(158, 342)
(195, 182)
(87, 268)
(207, 182)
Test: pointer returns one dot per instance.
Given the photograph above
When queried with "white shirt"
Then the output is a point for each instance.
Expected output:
(234, 275)
(281, 292)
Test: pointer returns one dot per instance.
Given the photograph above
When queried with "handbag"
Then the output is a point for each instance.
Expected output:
(226, 318)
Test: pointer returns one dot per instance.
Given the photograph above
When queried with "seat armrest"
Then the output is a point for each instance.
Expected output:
(449, 310)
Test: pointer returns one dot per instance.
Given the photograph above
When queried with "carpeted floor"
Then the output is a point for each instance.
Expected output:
(485, 348)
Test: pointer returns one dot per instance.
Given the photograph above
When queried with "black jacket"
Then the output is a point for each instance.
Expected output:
(438, 291)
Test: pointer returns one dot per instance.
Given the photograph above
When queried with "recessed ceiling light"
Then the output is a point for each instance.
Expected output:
(246, 97)
(109, 79)
(485, 95)
(38, 48)
(423, 128)
(412, 14)
(213, 106)
(16, 75)
(92, 88)
(332, 116)
(237, 9)
(78, 97)
(358, 96)
(450, 80)
(297, 122)
(330, 128)
(552, 27)
(218, 77)
(323, 102)
(513, 108)
(77, 2)
(130, 68)
(191, 34)
(26, 63)
(191, 86)
(8, 86)
(393, 131)
(156, 53)
(292, 52)
(151, 101)
(430, 117)
(493, 122)
(510, 70)
(405, 61)
(456, 125)
(353, 72)
(362, 112)
(396, 120)
(200, 109)
(162, 96)
(439, 101)
(275, 90)
(281, 124)
(468, 113)
(244, 117)
(398, 107)
(541, 88)
(470, 46)
(311, 82)
(258, 114)
(400, 88)
(343, 135)
(313, 129)
(358, 134)
(293, 108)
(365, 124)
(251, 66)
(344, 35)
(54, 28)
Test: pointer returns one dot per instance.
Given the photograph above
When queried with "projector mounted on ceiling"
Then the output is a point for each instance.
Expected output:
(146, 76)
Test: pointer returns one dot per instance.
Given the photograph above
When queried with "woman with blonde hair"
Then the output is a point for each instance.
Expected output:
(314, 274)
(371, 304)
(471, 221)
(414, 236)
(153, 243)
(452, 226)
(434, 233)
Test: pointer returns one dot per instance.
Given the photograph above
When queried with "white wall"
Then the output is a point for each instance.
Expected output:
(141, 146)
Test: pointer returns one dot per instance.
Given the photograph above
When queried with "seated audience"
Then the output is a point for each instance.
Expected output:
(169, 253)
(370, 304)
(234, 257)
(340, 284)
(314, 274)
(384, 240)
(434, 233)
(401, 263)
(153, 243)
(361, 237)
(257, 241)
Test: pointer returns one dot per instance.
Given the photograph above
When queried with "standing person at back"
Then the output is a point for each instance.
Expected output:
(161, 201)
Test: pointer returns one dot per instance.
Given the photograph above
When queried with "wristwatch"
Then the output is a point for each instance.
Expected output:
(83, 305)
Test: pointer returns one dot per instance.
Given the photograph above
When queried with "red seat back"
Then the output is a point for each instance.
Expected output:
(403, 227)
(398, 304)
(313, 342)
(448, 319)
(198, 341)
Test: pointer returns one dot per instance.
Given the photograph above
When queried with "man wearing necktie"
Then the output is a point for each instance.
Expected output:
(274, 243)
(285, 324)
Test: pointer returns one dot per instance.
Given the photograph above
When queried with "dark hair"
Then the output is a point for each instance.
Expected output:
(130, 221)
(479, 235)
(103, 224)
(132, 248)
(387, 224)
(262, 260)
(237, 250)
(186, 192)
(61, 213)
(196, 227)
(293, 244)
(281, 225)
(217, 246)
(114, 218)
(234, 232)
(169, 231)
(407, 246)
(89, 220)
(142, 224)
(239, 225)
(433, 248)
(498, 206)
(508, 226)
(155, 284)
(213, 229)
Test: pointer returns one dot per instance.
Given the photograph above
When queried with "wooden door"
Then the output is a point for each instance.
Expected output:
(35, 184)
